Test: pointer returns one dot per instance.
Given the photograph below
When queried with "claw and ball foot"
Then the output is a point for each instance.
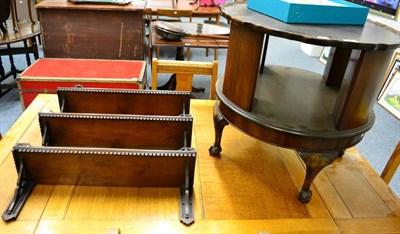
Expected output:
(219, 124)
(315, 162)
(215, 150)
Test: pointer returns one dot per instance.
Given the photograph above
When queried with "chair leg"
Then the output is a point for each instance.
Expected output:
(14, 16)
(28, 58)
(154, 65)
(213, 80)
(39, 39)
(30, 11)
(188, 54)
(215, 54)
(150, 54)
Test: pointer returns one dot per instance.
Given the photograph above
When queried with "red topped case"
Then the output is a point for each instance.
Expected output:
(48, 74)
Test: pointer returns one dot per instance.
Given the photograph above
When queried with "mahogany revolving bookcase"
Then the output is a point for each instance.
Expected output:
(319, 116)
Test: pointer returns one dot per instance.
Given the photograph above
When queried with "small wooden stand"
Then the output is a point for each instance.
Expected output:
(318, 116)
(109, 150)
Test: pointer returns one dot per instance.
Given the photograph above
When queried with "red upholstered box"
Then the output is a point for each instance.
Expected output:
(48, 74)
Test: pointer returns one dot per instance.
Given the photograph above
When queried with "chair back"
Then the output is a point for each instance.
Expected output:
(184, 71)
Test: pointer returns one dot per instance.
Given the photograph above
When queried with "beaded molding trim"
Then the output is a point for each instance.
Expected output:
(128, 91)
(183, 152)
(180, 118)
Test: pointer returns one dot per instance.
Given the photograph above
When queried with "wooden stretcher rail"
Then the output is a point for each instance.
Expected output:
(116, 131)
(121, 101)
(103, 167)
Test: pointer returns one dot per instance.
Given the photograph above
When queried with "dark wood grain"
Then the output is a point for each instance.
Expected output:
(105, 167)
(242, 65)
(336, 66)
(361, 84)
(116, 131)
(117, 101)
(75, 31)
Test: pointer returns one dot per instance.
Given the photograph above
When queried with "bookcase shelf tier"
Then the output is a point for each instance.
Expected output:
(318, 115)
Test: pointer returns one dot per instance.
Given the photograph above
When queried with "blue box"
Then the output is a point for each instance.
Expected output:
(311, 11)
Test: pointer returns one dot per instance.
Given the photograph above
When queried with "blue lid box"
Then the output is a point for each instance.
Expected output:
(311, 11)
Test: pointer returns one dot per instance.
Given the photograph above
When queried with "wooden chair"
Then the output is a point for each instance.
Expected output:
(392, 165)
(184, 71)
(171, 13)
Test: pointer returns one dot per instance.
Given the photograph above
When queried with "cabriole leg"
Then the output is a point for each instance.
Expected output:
(315, 162)
(219, 124)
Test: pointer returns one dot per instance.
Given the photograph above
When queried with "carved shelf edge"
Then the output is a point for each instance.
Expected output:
(124, 101)
(127, 91)
(182, 118)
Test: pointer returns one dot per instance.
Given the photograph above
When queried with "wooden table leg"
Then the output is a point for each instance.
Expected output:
(180, 55)
(219, 125)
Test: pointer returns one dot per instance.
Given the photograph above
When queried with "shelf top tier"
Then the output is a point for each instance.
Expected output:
(371, 36)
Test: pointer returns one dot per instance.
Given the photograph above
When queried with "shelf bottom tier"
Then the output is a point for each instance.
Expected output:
(292, 108)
